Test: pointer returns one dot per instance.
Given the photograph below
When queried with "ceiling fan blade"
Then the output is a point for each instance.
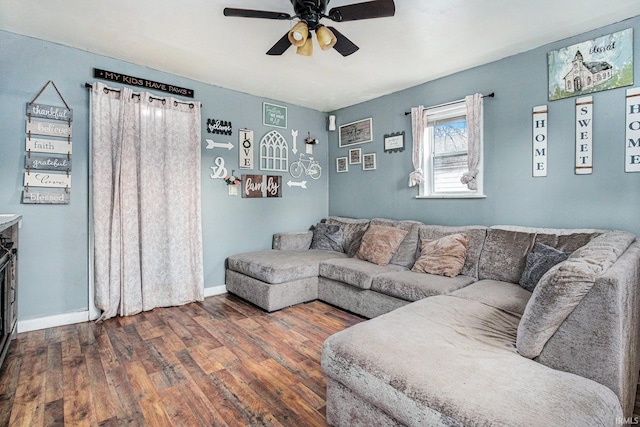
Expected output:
(250, 13)
(366, 10)
(281, 45)
(344, 46)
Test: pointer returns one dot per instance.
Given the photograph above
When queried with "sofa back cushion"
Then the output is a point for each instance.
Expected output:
(405, 255)
(504, 253)
(353, 229)
(563, 287)
(476, 235)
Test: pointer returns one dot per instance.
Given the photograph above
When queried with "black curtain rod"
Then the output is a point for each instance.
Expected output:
(106, 89)
(491, 95)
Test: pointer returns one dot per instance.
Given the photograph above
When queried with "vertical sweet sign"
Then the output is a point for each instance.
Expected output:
(632, 146)
(584, 135)
(540, 141)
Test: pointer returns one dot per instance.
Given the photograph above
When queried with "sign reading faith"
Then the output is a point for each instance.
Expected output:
(50, 112)
(137, 81)
(245, 139)
(540, 141)
(47, 179)
(40, 127)
(54, 146)
(632, 146)
(47, 162)
(584, 135)
(256, 186)
(45, 197)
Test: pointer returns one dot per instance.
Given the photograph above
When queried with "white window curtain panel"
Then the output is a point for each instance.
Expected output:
(417, 130)
(146, 201)
(474, 139)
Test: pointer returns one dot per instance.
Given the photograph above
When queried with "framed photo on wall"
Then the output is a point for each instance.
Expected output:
(355, 133)
(355, 156)
(342, 164)
(369, 162)
(394, 142)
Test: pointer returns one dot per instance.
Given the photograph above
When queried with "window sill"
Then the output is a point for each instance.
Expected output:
(454, 196)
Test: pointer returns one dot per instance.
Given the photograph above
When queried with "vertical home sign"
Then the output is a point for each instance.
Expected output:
(584, 135)
(540, 141)
(632, 146)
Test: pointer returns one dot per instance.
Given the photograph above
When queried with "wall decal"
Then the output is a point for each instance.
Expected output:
(539, 141)
(308, 167)
(219, 126)
(257, 186)
(211, 144)
(294, 136)
(584, 135)
(591, 66)
(245, 139)
(274, 152)
(139, 82)
(632, 145)
(356, 133)
(394, 142)
(219, 171)
(274, 115)
(302, 184)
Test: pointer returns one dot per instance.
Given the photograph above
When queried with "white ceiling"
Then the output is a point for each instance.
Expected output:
(426, 39)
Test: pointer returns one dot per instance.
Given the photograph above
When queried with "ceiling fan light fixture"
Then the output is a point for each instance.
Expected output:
(326, 38)
(307, 48)
(298, 34)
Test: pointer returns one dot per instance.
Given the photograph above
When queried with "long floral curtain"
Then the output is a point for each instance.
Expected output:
(146, 201)
(474, 137)
(417, 130)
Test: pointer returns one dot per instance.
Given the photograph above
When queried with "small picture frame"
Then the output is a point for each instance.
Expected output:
(355, 156)
(394, 142)
(369, 162)
(342, 164)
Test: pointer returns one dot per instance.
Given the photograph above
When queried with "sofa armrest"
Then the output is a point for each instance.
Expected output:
(292, 241)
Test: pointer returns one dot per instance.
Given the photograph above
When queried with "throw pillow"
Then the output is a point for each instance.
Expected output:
(444, 256)
(539, 261)
(379, 243)
(327, 237)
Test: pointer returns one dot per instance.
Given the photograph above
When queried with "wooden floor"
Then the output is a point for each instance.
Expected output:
(216, 363)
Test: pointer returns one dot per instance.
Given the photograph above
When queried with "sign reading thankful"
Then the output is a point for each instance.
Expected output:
(256, 186)
(49, 112)
(137, 81)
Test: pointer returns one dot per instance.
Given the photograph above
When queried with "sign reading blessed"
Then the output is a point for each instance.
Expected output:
(274, 115)
(257, 186)
(137, 81)
(40, 197)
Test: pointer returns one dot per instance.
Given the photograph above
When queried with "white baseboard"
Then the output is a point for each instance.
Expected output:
(52, 321)
(84, 316)
(215, 290)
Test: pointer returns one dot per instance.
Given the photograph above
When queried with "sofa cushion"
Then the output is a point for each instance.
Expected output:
(504, 296)
(539, 261)
(379, 243)
(563, 287)
(353, 230)
(444, 256)
(354, 271)
(504, 254)
(566, 239)
(327, 237)
(406, 253)
(277, 266)
(412, 286)
(475, 234)
(454, 359)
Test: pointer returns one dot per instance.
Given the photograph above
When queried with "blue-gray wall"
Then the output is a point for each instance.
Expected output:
(54, 238)
(609, 198)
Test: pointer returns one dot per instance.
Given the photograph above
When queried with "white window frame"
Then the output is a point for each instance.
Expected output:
(426, 188)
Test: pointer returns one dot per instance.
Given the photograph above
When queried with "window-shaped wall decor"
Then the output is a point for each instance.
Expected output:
(274, 152)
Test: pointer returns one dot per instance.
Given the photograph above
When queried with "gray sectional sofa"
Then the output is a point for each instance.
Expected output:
(477, 349)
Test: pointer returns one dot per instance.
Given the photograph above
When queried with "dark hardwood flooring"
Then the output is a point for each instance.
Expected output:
(216, 363)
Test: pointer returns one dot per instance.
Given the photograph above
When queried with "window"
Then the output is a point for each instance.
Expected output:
(446, 153)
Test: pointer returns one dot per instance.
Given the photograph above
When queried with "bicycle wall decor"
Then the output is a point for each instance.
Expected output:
(308, 167)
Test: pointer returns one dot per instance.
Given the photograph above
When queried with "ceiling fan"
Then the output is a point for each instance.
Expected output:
(309, 13)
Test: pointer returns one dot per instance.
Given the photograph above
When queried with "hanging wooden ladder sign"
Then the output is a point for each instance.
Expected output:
(47, 179)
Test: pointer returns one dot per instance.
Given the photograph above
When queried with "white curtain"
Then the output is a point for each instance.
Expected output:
(474, 138)
(417, 130)
(146, 201)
